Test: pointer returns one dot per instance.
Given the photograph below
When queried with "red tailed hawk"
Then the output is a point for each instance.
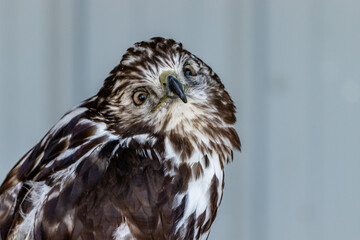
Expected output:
(143, 159)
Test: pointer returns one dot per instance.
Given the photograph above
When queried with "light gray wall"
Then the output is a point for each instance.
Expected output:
(292, 68)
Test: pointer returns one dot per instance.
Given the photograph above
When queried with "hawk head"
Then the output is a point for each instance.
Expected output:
(161, 88)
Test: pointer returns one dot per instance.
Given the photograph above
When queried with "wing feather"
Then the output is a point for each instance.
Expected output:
(67, 162)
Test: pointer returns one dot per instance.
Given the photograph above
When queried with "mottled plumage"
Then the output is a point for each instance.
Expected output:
(143, 159)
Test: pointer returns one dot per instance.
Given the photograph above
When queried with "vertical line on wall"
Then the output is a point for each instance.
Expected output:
(80, 49)
(53, 94)
(260, 88)
(315, 119)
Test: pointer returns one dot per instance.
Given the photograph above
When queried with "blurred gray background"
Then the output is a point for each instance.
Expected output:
(292, 68)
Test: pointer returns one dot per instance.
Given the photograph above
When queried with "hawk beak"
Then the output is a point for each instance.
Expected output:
(175, 87)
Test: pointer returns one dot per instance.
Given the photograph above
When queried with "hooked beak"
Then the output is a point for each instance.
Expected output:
(175, 87)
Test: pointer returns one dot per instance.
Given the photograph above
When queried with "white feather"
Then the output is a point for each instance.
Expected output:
(37, 196)
(122, 232)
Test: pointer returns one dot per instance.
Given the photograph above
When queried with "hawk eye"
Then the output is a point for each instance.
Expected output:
(189, 71)
(139, 97)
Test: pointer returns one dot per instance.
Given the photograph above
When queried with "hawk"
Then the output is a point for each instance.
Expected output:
(142, 159)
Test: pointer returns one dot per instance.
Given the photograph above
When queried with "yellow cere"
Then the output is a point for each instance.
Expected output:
(164, 75)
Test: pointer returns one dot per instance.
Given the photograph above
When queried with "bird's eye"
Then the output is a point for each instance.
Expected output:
(139, 97)
(189, 71)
